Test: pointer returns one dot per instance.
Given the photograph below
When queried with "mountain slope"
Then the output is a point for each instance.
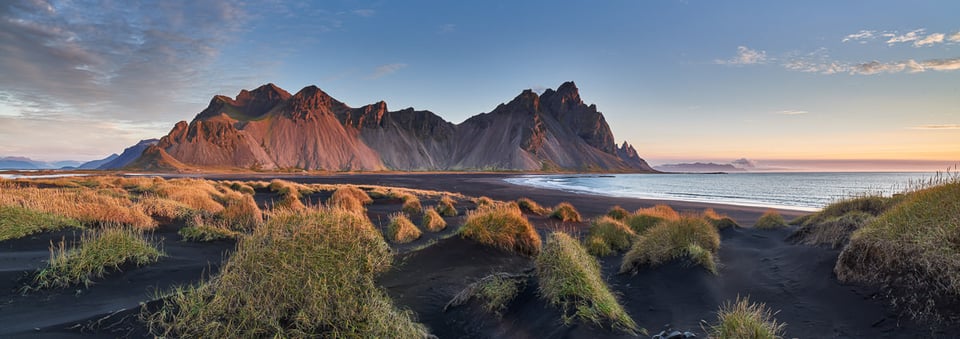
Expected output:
(129, 155)
(268, 128)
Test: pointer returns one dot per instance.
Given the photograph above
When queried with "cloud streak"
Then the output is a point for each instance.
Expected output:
(916, 38)
(385, 70)
(938, 127)
(745, 56)
(791, 112)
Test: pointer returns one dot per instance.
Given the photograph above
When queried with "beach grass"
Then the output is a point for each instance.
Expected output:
(771, 219)
(502, 226)
(303, 274)
(688, 237)
(495, 291)
(718, 220)
(527, 204)
(912, 252)
(411, 205)
(240, 212)
(98, 253)
(565, 212)
(432, 221)
(289, 194)
(91, 207)
(199, 229)
(643, 219)
(618, 213)
(834, 224)
(401, 230)
(570, 278)
(608, 236)
(743, 319)
(446, 207)
(17, 222)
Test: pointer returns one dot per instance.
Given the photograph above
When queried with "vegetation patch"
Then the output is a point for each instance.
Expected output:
(531, 206)
(349, 198)
(687, 237)
(494, 291)
(502, 226)
(432, 221)
(618, 213)
(718, 220)
(771, 219)
(834, 225)
(483, 202)
(289, 194)
(608, 236)
(912, 252)
(401, 230)
(446, 207)
(300, 275)
(199, 229)
(565, 212)
(88, 206)
(411, 205)
(241, 212)
(98, 253)
(645, 218)
(18, 222)
(743, 319)
(163, 208)
(570, 279)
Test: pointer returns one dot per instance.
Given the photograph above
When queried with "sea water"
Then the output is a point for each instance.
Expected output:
(797, 191)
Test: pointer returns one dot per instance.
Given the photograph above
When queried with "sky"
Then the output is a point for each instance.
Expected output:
(691, 80)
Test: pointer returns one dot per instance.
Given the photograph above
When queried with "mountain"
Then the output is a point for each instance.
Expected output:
(269, 128)
(129, 155)
(698, 167)
(94, 164)
(24, 163)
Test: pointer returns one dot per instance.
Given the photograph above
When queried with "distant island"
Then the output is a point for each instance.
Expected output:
(698, 167)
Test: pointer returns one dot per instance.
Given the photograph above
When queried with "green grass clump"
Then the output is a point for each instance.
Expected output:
(531, 206)
(912, 251)
(770, 219)
(411, 205)
(570, 278)
(608, 235)
(302, 275)
(687, 237)
(834, 225)
(17, 222)
(645, 218)
(401, 230)
(745, 320)
(446, 207)
(618, 213)
(495, 291)
(98, 253)
(502, 226)
(432, 221)
(565, 212)
(200, 229)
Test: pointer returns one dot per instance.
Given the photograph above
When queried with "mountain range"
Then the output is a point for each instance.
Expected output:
(270, 129)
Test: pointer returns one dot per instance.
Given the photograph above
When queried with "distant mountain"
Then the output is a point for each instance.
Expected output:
(94, 164)
(24, 163)
(268, 128)
(129, 155)
(698, 167)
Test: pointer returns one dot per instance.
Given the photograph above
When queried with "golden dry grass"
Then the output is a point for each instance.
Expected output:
(745, 320)
(411, 205)
(771, 219)
(446, 207)
(401, 230)
(504, 227)
(565, 212)
(531, 206)
(618, 213)
(241, 212)
(89, 206)
(432, 221)
(608, 236)
(346, 192)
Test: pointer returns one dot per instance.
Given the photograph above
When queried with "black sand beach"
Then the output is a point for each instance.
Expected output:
(794, 279)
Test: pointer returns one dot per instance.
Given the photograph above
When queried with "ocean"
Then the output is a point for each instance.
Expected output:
(795, 191)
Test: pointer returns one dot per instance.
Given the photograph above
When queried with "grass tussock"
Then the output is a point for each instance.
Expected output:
(401, 230)
(446, 207)
(349, 198)
(199, 229)
(241, 212)
(502, 226)
(618, 213)
(411, 205)
(570, 278)
(432, 221)
(97, 254)
(302, 275)
(608, 236)
(565, 212)
(494, 291)
(531, 206)
(483, 202)
(912, 252)
(834, 225)
(771, 219)
(687, 237)
(289, 194)
(18, 222)
(718, 220)
(197, 193)
(163, 208)
(743, 319)
(643, 219)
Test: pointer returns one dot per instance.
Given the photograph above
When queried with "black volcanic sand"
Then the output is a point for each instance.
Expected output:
(796, 280)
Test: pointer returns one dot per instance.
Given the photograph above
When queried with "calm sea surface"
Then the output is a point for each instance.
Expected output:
(797, 191)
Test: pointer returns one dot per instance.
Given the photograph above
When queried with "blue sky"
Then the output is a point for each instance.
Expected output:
(681, 80)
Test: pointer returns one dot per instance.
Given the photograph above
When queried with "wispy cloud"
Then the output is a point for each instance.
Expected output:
(384, 70)
(745, 56)
(913, 35)
(931, 39)
(861, 36)
(791, 112)
(938, 127)
(955, 37)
